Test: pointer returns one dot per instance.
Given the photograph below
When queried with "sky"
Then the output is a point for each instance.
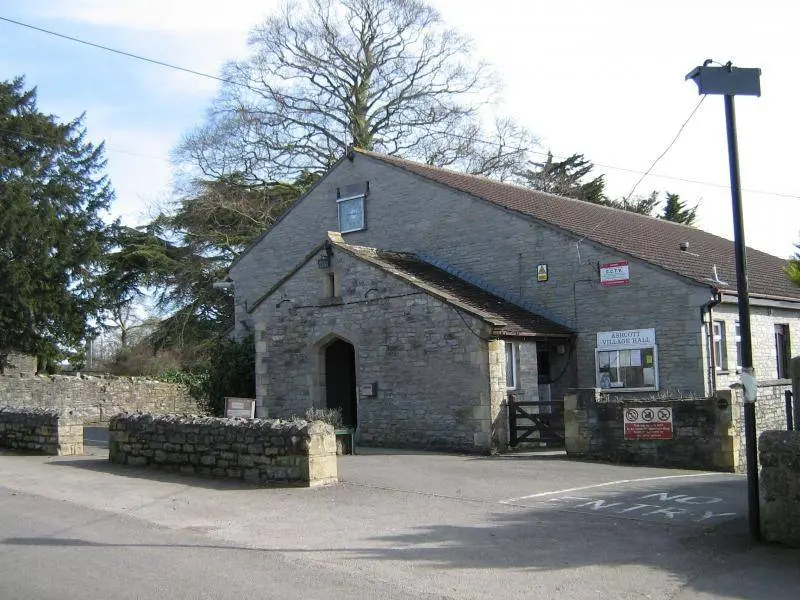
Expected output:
(603, 78)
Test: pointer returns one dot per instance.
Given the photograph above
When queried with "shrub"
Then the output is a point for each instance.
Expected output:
(332, 416)
(229, 371)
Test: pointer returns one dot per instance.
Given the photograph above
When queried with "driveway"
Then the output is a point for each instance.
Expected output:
(433, 525)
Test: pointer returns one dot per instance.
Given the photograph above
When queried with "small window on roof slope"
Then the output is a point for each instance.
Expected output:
(351, 214)
(350, 206)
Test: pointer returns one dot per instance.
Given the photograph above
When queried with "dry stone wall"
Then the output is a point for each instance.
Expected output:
(779, 454)
(16, 364)
(702, 432)
(96, 399)
(708, 432)
(256, 450)
(41, 430)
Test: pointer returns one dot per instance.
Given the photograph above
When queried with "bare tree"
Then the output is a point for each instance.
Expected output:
(384, 75)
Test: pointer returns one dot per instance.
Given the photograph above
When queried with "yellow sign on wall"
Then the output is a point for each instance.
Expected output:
(541, 273)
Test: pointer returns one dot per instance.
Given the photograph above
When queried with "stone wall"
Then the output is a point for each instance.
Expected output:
(702, 432)
(96, 399)
(17, 364)
(708, 432)
(255, 450)
(770, 414)
(41, 430)
(779, 454)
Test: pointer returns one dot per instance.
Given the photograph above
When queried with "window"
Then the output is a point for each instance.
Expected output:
(632, 369)
(720, 348)
(737, 337)
(782, 350)
(511, 366)
(331, 285)
(627, 360)
(351, 214)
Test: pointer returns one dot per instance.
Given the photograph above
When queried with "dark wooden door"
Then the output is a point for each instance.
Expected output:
(340, 380)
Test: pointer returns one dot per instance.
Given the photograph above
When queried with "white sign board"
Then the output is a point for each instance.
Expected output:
(626, 338)
(240, 407)
(615, 273)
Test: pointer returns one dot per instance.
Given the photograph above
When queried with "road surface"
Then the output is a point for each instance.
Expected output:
(410, 525)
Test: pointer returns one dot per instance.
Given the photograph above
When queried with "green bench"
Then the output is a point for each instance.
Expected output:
(348, 436)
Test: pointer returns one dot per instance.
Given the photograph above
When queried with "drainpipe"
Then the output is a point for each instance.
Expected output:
(712, 375)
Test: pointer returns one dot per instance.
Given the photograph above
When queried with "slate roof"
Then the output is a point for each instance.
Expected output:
(647, 238)
(512, 320)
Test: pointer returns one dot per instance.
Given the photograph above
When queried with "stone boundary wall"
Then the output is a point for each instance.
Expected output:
(702, 432)
(19, 365)
(41, 430)
(770, 414)
(779, 454)
(96, 399)
(256, 450)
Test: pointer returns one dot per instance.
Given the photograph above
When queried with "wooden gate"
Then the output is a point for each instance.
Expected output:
(539, 423)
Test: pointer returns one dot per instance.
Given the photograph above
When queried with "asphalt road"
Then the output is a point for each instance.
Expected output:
(414, 525)
(57, 550)
(95, 435)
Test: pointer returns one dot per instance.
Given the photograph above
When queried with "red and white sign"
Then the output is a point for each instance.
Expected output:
(648, 423)
(615, 273)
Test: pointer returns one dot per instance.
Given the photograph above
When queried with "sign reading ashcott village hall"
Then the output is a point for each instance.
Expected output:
(625, 339)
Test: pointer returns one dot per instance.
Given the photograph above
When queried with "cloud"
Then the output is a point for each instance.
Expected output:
(180, 16)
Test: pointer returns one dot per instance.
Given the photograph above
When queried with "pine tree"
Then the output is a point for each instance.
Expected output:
(53, 192)
(179, 255)
(675, 210)
(566, 178)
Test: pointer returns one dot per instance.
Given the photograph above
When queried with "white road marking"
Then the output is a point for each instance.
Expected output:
(607, 484)
(601, 505)
(684, 499)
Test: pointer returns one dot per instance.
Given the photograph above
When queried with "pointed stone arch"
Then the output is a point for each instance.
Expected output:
(334, 375)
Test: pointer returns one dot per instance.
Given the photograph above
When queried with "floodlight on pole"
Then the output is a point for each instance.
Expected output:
(730, 81)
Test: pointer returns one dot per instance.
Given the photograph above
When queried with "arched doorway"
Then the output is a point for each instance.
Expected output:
(340, 380)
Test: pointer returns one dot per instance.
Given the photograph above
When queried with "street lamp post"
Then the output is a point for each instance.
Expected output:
(730, 81)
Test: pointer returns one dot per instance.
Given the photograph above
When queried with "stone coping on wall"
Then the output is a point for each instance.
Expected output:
(33, 412)
(779, 481)
(255, 450)
(773, 383)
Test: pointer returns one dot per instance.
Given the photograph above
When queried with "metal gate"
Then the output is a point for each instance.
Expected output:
(539, 423)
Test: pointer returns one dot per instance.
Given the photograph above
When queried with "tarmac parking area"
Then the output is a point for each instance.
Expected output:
(668, 496)
(429, 525)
